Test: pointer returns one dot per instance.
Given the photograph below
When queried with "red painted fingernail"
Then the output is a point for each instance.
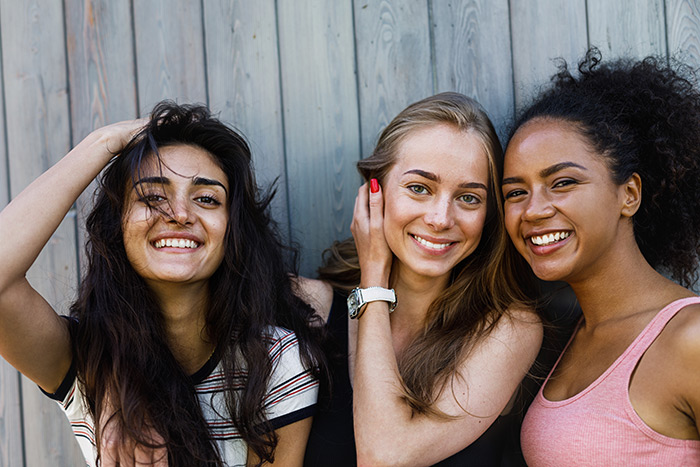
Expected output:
(373, 185)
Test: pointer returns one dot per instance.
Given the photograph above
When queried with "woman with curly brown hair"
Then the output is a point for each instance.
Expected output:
(602, 190)
(186, 345)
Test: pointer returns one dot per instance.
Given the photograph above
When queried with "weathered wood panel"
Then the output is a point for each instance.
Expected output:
(683, 30)
(542, 30)
(393, 61)
(244, 85)
(100, 48)
(633, 28)
(473, 55)
(35, 75)
(11, 447)
(310, 83)
(320, 122)
(169, 52)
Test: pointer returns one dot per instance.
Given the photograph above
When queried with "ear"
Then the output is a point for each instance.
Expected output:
(631, 195)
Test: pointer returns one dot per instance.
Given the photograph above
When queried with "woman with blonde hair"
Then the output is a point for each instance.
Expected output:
(440, 331)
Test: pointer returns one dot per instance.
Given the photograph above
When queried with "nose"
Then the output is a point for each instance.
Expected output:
(181, 211)
(538, 206)
(440, 216)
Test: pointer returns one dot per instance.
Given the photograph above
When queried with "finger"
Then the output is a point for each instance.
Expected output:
(360, 213)
(376, 205)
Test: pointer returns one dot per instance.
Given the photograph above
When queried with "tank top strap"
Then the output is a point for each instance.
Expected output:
(652, 331)
(561, 354)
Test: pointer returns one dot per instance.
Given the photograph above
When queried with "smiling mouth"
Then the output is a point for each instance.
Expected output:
(548, 239)
(175, 243)
(431, 245)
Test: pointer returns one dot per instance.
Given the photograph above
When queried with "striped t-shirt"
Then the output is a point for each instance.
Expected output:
(291, 396)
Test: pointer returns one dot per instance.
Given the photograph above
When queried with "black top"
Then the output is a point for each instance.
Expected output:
(332, 439)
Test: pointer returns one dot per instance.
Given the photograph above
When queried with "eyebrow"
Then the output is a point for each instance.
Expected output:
(546, 172)
(197, 181)
(433, 177)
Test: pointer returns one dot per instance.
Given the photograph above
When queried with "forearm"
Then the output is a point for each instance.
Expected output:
(380, 414)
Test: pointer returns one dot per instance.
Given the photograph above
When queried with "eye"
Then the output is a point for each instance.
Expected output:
(418, 189)
(564, 183)
(151, 198)
(513, 194)
(208, 200)
(469, 199)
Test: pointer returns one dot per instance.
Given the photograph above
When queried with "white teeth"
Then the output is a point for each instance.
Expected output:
(543, 240)
(176, 243)
(434, 246)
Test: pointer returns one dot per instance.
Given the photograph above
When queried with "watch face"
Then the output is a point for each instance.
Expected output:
(352, 304)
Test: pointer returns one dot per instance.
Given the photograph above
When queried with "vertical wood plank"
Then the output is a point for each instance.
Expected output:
(393, 61)
(34, 74)
(633, 28)
(683, 30)
(320, 119)
(244, 86)
(101, 73)
(169, 52)
(11, 449)
(473, 54)
(100, 64)
(542, 30)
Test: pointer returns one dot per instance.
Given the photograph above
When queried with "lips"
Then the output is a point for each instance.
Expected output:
(432, 245)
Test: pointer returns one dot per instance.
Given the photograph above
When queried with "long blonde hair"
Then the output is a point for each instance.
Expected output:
(482, 286)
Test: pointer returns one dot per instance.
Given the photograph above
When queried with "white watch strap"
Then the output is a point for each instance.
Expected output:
(373, 294)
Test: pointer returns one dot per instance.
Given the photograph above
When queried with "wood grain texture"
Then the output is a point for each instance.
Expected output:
(541, 31)
(244, 85)
(4, 162)
(683, 30)
(321, 125)
(11, 449)
(169, 52)
(632, 28)
(100, 49)
(393, 61)
(473, 55)
(36, 97)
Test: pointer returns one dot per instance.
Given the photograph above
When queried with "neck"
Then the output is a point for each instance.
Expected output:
(628, 285)
(184, 312)
(414, 295)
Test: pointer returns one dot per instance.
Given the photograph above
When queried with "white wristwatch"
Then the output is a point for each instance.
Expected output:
(358, 298)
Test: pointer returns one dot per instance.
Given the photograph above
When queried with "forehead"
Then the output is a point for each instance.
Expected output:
(443, 148)
(542, 142)
(183, 162)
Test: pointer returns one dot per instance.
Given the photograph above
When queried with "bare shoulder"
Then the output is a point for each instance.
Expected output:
(682, 334)
(318, 294)
(516, 337)
(521, 324)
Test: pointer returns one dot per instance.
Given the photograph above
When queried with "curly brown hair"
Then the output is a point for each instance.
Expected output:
(643, 116)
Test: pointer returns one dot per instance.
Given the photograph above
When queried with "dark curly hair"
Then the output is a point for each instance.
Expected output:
(644, 117)
(119, 343)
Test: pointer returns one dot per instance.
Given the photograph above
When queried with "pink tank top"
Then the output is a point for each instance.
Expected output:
(598, 426)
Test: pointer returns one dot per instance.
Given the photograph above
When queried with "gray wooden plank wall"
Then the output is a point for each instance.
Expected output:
(311, 83)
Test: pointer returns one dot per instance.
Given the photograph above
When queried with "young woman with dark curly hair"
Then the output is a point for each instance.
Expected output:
(186, 342)
(426, 301)
(602, 190)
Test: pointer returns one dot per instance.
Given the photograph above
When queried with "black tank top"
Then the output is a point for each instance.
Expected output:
(332, 438)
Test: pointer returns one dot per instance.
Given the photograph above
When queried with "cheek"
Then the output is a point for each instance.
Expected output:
(395, 219)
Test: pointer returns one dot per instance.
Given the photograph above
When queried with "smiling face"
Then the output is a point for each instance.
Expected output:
(180, 239)
(435, 200)
(563, 211)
